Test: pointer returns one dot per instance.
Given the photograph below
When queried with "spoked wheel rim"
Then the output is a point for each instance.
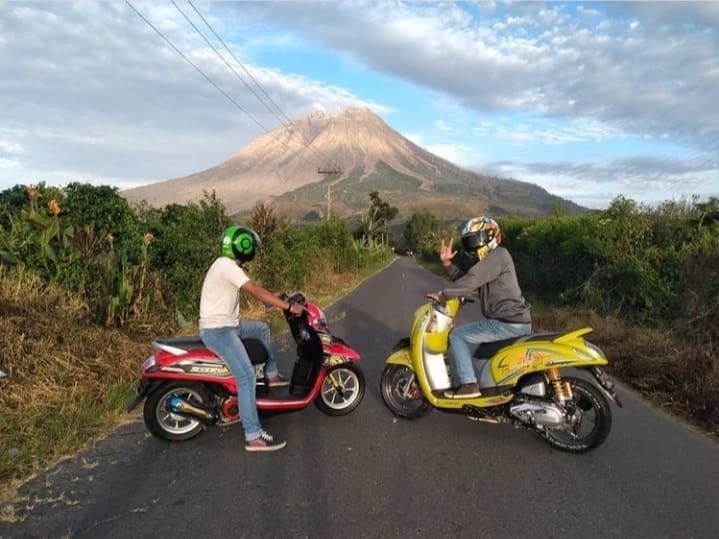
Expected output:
(401, 391)
(340, 388)
(175, 423)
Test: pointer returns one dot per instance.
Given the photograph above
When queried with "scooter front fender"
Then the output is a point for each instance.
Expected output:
(400, 357)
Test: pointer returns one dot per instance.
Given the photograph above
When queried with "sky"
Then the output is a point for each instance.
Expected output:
(589, 100)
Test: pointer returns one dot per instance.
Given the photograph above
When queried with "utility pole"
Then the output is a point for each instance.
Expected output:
(328, 196)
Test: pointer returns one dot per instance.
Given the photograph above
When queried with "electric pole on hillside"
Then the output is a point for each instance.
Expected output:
(328, 196)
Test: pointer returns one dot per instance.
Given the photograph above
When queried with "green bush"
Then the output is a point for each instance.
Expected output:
(129, 263)
(186, 239)
(655, 265)
(629, 259)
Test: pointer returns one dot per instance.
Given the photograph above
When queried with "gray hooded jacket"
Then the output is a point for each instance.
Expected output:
(495, 280)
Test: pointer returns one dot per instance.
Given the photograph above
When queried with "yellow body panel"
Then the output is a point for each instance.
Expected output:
(415, 355)
(569, 350)
(573, 335)
(506, 367)
(400, 357)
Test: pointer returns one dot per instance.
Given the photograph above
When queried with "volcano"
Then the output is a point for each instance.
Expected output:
(347, 156)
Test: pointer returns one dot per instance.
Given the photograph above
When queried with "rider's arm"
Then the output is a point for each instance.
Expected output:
(478, 275)
(453, 271)
(268, 298)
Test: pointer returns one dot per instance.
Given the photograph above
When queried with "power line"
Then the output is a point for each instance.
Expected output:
(223, 59)
(207, 78)
(309, 146)
(286, 144)
(238, 61)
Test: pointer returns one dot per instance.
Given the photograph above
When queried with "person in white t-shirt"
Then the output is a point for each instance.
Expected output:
(222, 330)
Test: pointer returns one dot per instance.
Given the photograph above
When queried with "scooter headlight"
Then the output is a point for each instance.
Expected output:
(148, 364)
(322, 318)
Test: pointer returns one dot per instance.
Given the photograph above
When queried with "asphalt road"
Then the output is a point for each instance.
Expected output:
(371, 475)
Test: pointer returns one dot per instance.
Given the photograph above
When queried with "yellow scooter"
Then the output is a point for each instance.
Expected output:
(520, 380)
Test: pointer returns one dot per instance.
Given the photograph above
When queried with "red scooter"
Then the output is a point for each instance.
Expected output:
(187, 387)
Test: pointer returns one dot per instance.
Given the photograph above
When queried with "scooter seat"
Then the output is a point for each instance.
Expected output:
(179, 345)
(488, 349)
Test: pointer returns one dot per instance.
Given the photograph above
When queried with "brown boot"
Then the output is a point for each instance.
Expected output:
(465, 391)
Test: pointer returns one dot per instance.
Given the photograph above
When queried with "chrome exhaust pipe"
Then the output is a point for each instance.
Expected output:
(180, 406)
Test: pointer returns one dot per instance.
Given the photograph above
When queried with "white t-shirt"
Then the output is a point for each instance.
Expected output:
(220, 297)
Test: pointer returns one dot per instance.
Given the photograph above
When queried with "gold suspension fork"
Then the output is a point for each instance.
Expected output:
(562, 390)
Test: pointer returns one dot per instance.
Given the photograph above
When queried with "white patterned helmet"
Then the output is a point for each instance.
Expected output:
(480, 235)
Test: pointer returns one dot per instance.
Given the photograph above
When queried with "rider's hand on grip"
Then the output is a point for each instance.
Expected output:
(296, 309)
(435, 297)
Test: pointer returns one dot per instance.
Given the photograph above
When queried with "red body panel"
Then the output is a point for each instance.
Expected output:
(338, 349)
(168, 366)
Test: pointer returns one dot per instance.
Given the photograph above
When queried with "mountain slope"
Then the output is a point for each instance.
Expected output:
(282, 166)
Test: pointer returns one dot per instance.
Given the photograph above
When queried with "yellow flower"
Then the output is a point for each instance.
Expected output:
(32, 192)
(110, 238)
(54, 207)
(147, 238)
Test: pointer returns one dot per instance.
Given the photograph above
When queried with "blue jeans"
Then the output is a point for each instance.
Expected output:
(226, 343)
(488, 330)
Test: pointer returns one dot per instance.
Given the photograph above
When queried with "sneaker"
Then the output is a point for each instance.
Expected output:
(277, 380)
(465, 391)
(265, 442)
(227, 421)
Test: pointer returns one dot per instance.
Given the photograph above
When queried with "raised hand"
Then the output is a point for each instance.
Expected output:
(446, 254)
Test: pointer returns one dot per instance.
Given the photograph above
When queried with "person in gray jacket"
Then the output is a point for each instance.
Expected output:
(506, 312)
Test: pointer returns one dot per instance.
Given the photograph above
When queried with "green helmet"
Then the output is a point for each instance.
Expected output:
(240, 243)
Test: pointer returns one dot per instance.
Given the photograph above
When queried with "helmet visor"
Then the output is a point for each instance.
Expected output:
(475, 240)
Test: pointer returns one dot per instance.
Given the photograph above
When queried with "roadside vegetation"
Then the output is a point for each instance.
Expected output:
(87, 281)
(646, 279)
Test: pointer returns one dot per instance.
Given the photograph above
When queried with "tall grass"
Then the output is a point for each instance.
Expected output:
(66, 377)
(675, 372)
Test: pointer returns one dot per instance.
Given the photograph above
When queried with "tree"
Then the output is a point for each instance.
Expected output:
(420, 231)
(186, 240)
(373, 224)
(107, 212)
(382, 209)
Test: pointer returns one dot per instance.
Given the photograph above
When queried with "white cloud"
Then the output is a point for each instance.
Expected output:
(549, 132)
(417, 138)
(648, 179)
(456, 153)
(441, 125)
(542, 58)
(9, 164)
(9, 146)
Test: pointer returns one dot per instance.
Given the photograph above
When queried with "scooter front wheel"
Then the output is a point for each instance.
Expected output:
(161, 422)
(401, 392)
(342, 390)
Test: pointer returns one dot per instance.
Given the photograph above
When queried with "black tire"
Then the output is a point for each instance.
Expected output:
(393, 383)
(162, 423)
(336, 403)
(587, 398)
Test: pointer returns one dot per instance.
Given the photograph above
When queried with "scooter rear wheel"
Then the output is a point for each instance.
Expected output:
(167, 425)
(594, 420)
(401, 392)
